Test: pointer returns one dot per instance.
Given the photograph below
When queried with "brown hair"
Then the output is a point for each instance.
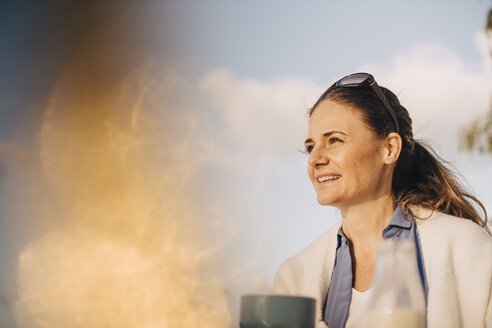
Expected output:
(420, 177)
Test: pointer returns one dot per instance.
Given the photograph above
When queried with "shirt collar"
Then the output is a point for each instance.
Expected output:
(398, 221)
(341, 238)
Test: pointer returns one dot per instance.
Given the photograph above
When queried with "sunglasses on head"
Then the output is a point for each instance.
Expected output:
(365, 79)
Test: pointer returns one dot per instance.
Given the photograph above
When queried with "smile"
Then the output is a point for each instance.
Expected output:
(328, 178)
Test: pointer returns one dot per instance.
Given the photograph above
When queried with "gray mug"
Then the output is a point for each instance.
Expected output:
(276, 311)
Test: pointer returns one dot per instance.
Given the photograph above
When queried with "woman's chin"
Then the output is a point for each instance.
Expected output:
(327, 201)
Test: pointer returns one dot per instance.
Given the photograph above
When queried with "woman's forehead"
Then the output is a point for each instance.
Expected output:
(333, 115)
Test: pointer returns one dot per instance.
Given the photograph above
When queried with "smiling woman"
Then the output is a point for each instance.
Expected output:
(364, 161)
(346, 159)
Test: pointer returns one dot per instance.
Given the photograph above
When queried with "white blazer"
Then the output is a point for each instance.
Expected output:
(458, 264)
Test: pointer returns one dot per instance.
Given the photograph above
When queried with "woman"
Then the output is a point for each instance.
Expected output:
(364, 161)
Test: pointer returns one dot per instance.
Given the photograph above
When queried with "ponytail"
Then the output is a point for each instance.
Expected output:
(421, 179)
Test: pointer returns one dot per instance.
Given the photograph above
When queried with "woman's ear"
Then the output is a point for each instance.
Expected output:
(392, 148)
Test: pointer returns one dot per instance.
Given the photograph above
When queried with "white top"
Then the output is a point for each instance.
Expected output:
(357, 308)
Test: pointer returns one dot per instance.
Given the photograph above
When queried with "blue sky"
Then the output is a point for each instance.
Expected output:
(233, 82)
(267, 39)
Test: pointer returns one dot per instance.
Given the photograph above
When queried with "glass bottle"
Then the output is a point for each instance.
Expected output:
(397, 298)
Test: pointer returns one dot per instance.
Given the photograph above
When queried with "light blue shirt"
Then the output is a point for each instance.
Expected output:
(340, 292)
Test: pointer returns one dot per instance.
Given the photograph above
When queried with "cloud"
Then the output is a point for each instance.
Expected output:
(440, 89)
(268, 116)
(483, 41)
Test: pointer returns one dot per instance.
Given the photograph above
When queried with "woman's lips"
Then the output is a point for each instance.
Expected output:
(328, 177)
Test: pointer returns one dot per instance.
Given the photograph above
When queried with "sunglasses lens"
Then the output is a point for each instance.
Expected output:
(354, 79)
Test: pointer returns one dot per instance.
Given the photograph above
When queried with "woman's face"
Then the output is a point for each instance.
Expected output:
(346, 159)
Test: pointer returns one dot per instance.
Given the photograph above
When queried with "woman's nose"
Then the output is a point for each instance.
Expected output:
(318, 157)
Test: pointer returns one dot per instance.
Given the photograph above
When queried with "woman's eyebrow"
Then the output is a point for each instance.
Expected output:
(326, 134)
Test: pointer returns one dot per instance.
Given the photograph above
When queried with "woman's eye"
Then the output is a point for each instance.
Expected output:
(335, 140)
(309, 149)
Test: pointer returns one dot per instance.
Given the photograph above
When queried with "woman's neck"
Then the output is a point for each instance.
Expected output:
(364, 223)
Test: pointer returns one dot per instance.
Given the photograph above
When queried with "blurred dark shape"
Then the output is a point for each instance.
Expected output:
(37, 38)
(489, 20)
(478, 135)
